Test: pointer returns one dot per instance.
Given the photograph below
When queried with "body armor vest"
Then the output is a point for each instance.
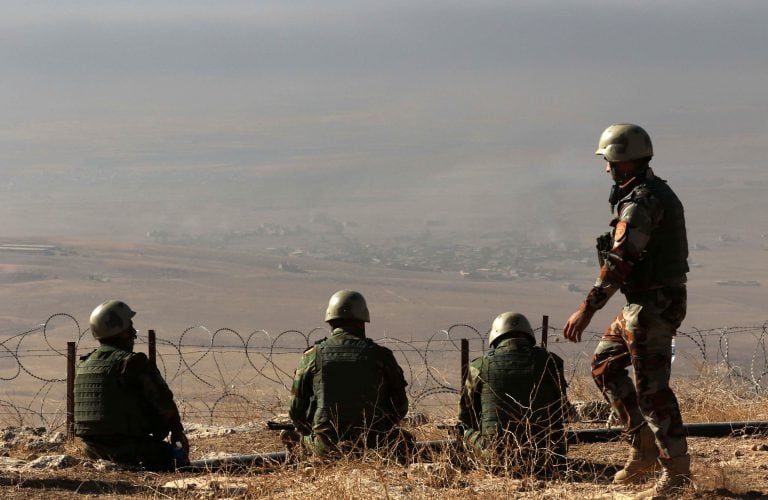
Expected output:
(665, 259)
(516, 393)
(348, 389)
(103, 405)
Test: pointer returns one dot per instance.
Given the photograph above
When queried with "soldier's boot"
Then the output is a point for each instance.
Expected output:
(642, 459)
(674, 480)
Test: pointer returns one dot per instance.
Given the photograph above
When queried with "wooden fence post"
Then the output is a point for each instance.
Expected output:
(544, 330)
(464, 360)
(152, 347)
(71, 355)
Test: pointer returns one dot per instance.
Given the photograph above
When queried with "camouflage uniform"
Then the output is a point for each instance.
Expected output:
(124, 409)
(512, 407)
(647, 261)
(348, 392)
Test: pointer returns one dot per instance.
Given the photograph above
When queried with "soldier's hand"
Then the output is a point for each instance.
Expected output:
(180, 437)
(576, 325)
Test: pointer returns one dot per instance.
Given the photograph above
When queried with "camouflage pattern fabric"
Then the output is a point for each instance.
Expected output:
(139, 390)
(641, 336)
(528, 441)
(648, 263)
(399, 441)
(393, 401)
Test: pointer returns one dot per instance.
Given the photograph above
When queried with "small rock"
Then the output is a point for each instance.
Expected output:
(105, 465)
(52, 462)
(219, 485)
(10, 463)
(738, 453)
(57, 437)
(43, 446)
(760, 447)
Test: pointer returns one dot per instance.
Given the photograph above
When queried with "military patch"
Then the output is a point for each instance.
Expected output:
(621, 230)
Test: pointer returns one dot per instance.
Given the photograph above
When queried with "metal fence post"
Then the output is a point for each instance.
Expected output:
(464, 360)
(544, 330)
(152, 346)
(71, 354)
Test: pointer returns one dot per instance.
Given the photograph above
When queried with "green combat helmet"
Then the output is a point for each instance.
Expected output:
(624, 142)
(111, 318)
(347, 304)
(509, 322)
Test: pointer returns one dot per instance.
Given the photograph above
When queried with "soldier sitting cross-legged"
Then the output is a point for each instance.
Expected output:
(124, 410)
(348, 392)
(513, 403)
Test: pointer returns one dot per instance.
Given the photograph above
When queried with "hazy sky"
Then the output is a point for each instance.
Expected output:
(480, 100)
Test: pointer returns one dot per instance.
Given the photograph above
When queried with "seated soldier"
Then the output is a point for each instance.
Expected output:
(513, 403)
(123, 408)
(348, 392)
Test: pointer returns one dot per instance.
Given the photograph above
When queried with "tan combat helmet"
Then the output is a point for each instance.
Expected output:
(509, 322)
(347, 304)
(111, 318)
(624, 142)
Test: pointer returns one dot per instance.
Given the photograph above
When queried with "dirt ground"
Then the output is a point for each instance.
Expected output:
(734, 467)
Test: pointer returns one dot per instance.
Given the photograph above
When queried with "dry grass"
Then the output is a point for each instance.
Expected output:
(716, 395)
(729, 467)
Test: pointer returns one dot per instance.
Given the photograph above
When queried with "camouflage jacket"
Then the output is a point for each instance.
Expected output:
(475, 403)
(649, 246)
(303, 404)
(122, 392)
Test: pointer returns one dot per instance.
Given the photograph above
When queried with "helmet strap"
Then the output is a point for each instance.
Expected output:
(623, 185)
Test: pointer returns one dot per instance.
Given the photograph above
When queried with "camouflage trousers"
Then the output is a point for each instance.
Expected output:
(136, 451)
(641, 336)
(518, 454)
(397, 442)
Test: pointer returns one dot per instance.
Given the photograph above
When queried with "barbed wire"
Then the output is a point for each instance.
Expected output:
(223, 375)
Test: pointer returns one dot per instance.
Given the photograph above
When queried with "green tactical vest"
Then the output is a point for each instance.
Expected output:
(347, 388)
(513, 395)
(103, 405)
(665, 259)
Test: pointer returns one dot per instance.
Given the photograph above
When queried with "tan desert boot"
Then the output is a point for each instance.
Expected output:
(642, 458)
(675, 479)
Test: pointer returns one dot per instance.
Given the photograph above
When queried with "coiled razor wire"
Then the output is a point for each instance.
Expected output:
(222, 374)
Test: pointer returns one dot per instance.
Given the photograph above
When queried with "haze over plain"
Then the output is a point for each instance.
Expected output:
(448, 122)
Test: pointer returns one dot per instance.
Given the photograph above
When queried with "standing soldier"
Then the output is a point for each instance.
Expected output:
(348, 392)
(123, 408)
(513, 403)
(644, 256)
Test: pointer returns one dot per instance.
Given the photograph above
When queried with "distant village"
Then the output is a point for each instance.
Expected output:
(491, 258)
